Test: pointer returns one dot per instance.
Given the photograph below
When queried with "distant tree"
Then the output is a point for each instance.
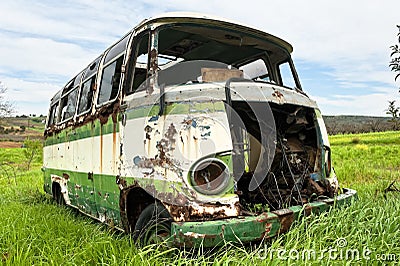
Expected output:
(393, 110)
(6, 108)
(375, 125)
(394, 65)
(332, 128)
(395, 58)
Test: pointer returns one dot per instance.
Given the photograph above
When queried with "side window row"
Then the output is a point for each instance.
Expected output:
(77, 97)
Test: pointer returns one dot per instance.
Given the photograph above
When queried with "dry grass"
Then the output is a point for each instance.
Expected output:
(10, 144)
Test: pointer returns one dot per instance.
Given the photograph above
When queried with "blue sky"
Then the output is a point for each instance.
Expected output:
(341, 48)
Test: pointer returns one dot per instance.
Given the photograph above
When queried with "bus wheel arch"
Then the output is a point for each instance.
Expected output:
(57, 194)
(133, 200)
(59, 189)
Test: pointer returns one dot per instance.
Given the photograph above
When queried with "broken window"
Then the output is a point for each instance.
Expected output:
(260, 60)
(68, 103)
(111, 76)
(88, 86)
(53, 114)
(140, 67)
(85, 101)
(110, 80)
(69, 98)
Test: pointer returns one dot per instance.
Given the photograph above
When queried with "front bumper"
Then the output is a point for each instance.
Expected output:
(250, 228)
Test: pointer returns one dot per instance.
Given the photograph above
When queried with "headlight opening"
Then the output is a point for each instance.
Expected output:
(210, 176)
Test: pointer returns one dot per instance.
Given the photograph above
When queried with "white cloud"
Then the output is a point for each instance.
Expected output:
(94, 21)
(373, 104)
(42, 56)
(29, 96)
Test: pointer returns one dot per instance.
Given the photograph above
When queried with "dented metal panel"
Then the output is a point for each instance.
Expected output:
(249, 228)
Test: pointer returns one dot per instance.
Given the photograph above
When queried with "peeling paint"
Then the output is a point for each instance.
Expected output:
(202, 211)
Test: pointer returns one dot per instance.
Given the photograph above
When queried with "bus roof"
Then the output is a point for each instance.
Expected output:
(182, 17)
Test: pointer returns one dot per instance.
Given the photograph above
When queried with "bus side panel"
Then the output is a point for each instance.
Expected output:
(106, 163)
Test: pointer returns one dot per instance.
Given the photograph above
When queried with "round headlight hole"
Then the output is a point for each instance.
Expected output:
(210, 176)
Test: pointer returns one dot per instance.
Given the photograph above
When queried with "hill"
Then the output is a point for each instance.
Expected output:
(14, 130)
(344, 124)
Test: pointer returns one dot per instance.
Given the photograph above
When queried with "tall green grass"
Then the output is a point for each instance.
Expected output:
(33, 230)
(366, 158)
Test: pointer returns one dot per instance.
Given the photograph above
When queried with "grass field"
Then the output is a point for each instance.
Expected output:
(33, 230)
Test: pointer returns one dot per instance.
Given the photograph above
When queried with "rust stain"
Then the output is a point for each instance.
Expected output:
(190, 213)
(308, 210)
(114, 149)
(121, 182)
(164, 146)
(56, 178)
(102, 114)
(177, 199)
(171, 133)
(101, 149)
(153, 60)
(148, 129)
(268, 227)
(278, 95)
(286, 218)
(187, 241)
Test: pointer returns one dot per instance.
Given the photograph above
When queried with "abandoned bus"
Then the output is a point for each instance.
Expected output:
(194, 130)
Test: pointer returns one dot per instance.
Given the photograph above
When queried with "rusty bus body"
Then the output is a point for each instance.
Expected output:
(194, 129)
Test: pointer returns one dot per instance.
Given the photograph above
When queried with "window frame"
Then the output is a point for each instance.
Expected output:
(78, 114)
(98, 105)
(76, 88)
(54, 117)
(71, 86)
(135, 44)
(85, 78)
(105, 62)
(293, 71)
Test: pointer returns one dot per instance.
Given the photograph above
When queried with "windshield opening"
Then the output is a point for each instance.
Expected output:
(257, 59)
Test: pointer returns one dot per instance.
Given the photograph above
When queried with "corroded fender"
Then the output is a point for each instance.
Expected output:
(250, 228)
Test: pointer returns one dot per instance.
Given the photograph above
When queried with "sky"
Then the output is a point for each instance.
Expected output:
(341, 48)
